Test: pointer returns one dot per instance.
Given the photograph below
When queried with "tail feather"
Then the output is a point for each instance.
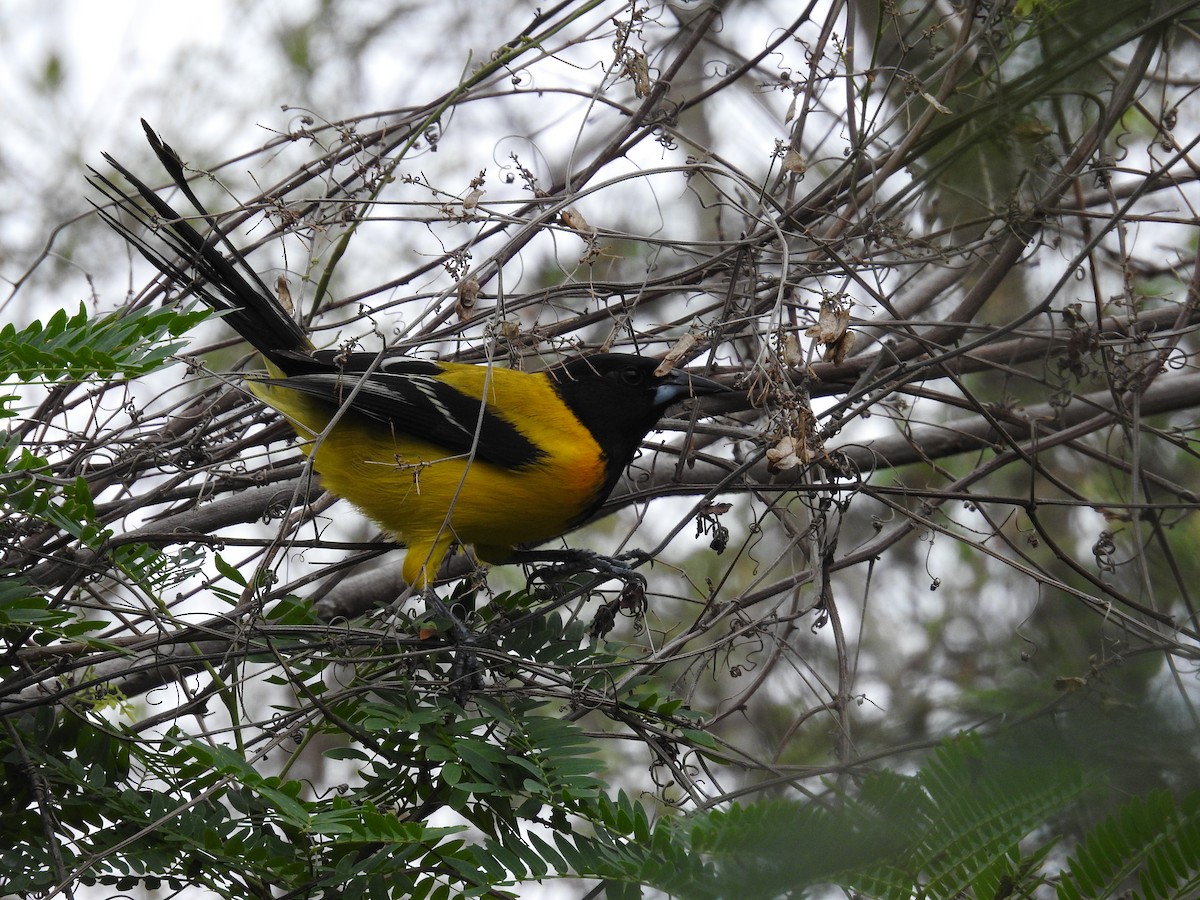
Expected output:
(195, 264)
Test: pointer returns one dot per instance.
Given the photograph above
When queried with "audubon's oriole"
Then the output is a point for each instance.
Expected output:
(435, 452)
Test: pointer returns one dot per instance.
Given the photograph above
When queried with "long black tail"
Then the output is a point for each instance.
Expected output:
(195, 264)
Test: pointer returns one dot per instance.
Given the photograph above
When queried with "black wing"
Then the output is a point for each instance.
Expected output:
(407, 395)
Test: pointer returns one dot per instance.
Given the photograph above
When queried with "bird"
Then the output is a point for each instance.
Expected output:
(437, 453)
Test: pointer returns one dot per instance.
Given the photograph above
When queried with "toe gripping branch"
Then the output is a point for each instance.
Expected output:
(622, 567)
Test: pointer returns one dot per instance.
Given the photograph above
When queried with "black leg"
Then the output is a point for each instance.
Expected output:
(570, 561)
(465, 673)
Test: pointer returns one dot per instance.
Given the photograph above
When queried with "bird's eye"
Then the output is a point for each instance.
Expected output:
(632, 376)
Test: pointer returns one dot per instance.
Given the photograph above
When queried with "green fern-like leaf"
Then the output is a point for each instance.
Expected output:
(626, 851)
(32, 499)
(952, 830)
(76, 346)
(30, 493)
(986, 803)
(1150, 841)
(22, 606)
(966, 813)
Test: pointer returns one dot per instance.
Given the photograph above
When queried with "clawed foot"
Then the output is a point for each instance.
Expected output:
(570, 562)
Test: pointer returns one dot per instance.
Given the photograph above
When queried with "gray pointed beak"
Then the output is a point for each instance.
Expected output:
(679, 385)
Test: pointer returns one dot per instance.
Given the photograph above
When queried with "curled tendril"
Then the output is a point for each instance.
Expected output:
(1103, 551)
(716, 68)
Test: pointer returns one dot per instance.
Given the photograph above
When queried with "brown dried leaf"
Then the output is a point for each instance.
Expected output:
(785, 455)
(793, 163)
(832, 322)
(1069, 683)
(791, 351)
(933, 101)
(472, 200)
(283, 293)
(1031, 130)
(676, 353)
(638, 69)
(1072, 315)
(572, 218)
(468, 293)
(837, 351)
(791, 110)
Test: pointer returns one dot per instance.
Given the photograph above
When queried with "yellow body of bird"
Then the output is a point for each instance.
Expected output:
(404, 485)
